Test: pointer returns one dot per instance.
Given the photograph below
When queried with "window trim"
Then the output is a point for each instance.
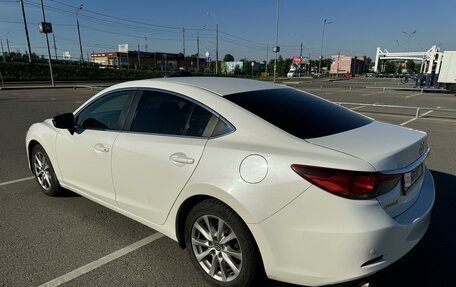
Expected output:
(135, 102)
(132, 92)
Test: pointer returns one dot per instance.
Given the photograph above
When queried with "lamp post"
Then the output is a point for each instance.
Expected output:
(81, 58)
(276, 49)
(3, 51)
(326, 22)
(198, 47)
(47, 43)
(253, 65)
(410, 37)
(7, 45)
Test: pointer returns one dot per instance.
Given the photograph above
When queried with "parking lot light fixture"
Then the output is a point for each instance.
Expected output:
(198, 47)
(326, 22)
(79, 33)
(276, 49)
(410, 37)
(47, 44)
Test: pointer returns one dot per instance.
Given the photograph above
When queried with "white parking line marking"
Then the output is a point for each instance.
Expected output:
(16, 180)
(369, 94)
(332, 92)
(358, 107)
(413, 95)
(414, 119)
(102, 261)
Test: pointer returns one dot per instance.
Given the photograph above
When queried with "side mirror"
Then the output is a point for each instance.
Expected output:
(64, 121)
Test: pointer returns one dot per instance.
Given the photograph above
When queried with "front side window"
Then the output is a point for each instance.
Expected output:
(104, 113)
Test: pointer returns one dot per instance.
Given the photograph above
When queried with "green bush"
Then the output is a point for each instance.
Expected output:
(40, 72)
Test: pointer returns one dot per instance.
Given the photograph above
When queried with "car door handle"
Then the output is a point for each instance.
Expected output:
(101, 147)
(181, 158)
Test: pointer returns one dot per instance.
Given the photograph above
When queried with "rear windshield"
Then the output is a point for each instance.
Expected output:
(298, 113)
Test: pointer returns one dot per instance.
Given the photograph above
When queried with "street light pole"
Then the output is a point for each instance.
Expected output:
(197, 52)
(81, 58)
(3, 51)
(7, 45)
(55, 47)
(410, 37)
(276, 41)
(198, 48)
(183, 41)
(47, 43)
(216, 50)
(326, 22)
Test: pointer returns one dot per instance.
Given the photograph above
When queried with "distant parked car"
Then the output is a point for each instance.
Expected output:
(251, 177)
(178, 74)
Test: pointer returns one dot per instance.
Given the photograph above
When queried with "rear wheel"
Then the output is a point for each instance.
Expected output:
(44, 172)
(221, 246)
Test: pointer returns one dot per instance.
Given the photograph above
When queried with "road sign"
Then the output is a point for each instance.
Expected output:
(66, 55)
(207, 54)
(45, 27)
(123, 48)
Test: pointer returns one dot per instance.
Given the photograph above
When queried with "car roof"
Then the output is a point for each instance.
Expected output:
(218, 85)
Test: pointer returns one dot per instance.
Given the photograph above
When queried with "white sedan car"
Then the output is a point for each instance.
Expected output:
(253, 178)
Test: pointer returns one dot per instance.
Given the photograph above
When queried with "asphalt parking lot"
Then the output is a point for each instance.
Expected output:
(44, 238)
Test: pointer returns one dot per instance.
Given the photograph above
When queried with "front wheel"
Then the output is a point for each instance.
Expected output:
(44, 172)
(221, 245)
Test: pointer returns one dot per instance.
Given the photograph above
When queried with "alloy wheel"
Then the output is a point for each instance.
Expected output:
(216, 248)
(42, 170)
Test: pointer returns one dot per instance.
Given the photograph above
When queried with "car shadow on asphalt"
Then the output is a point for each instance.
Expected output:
(432, 261)
(68, 193)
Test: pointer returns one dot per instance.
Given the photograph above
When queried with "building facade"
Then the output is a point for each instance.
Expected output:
(342, 64)
(148, 60)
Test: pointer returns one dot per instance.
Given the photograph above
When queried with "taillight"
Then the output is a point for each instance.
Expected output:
(347, 183)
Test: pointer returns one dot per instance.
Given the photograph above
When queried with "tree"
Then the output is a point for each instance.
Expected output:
(410, 66)
(228, 58)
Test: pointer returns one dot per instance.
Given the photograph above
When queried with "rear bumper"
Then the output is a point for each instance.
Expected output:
(322, 239)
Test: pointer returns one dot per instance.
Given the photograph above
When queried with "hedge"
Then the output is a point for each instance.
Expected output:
(40, 72)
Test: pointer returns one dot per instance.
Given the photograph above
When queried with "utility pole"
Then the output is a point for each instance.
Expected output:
(216, 52)
(3, 52)
(300, 53)
(197, 51)
(267, 59)
(183, 41)
(7, 45)
(146, 46)
(81, 59)
(326, 22)
(47, 43)
(139, 58)
(276, 41)
(55, 47)
(26, 32)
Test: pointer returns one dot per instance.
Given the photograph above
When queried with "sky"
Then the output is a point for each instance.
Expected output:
(247, 29)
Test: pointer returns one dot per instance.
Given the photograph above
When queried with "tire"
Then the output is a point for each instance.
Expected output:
(236, 261)
(44, 172)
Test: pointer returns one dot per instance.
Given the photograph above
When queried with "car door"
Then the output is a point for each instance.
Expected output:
(152, 162)
(85, 157)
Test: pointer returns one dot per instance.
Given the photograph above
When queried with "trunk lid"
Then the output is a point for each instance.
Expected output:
(385, 146)
(389, 149)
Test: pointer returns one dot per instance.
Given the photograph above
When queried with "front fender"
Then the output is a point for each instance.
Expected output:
(44, 134)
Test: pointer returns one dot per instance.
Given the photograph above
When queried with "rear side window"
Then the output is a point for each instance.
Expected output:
(162, 113)
(300, 114)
